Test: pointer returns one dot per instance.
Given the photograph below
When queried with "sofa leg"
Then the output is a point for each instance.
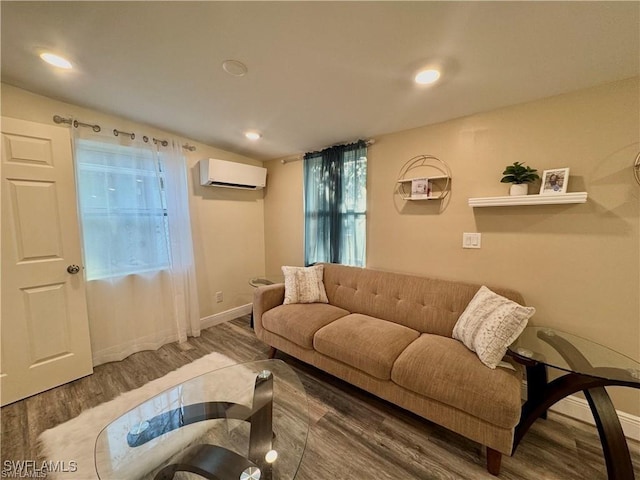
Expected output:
(494, 458)
(272, 352)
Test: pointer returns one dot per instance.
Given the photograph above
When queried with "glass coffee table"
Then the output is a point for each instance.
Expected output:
(589, 368)
(244, 422)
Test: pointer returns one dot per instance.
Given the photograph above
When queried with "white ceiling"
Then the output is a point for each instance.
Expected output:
(319, 72)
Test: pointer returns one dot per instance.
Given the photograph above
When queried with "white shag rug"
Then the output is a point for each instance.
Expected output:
(75, 439)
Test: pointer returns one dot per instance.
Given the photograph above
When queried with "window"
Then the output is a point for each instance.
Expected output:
(335, 182)
(123, 209)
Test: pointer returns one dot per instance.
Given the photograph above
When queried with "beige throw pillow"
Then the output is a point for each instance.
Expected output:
(304, 285)
(491, 323)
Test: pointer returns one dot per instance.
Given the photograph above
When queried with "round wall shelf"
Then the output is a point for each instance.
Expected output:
(424, 177)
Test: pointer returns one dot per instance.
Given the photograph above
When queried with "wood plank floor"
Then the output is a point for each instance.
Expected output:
(352, 435)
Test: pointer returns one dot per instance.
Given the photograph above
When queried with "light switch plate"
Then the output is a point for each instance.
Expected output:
(471, 240)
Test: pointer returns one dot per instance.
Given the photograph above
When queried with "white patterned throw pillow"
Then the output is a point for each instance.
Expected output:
(491, 323)
(304, 285)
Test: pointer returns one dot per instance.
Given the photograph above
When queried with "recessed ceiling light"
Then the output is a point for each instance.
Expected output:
(426, 77)
(234, 67)
(56, 60)
(252, 135)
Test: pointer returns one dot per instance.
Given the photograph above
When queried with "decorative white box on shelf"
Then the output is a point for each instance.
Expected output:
(540, 199)
(420, 188)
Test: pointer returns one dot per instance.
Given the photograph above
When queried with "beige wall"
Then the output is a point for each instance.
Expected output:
(227, 225)
(283, 216)
(579, 265)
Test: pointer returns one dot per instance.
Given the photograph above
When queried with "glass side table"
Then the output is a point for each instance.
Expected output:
(589, 368)
(266, 280)
(256, 282)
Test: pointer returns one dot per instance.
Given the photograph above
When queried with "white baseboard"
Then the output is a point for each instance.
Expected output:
(578, 409)
(225, 316)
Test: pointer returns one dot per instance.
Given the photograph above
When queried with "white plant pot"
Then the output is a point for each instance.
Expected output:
(519, 189)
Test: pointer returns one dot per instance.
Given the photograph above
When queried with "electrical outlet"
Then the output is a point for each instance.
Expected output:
(218, 297)
(471, 240)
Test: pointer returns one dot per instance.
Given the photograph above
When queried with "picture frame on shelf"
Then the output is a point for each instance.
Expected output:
(554, 181)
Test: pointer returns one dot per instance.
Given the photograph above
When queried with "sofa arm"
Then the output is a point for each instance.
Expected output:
(265, 298)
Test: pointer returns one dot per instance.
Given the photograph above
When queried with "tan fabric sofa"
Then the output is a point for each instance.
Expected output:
(391, 335)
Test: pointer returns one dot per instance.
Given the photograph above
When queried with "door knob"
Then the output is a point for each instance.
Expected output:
(73, 269)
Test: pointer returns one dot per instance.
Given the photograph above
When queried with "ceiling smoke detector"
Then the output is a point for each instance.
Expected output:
(235, 68)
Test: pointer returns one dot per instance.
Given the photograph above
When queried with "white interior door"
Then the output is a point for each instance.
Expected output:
(44, 326)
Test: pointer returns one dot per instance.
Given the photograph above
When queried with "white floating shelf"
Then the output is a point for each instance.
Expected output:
(540, 199)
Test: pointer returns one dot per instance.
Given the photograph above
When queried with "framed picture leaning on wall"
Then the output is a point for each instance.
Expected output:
(554, 181)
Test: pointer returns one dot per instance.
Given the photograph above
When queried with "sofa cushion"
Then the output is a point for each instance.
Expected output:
(491, 323)
(428, 305)
(366, 343)
(304, 285)
(443, 369)
(299, 322)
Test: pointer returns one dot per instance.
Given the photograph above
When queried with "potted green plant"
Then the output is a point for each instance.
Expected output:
(519, 176)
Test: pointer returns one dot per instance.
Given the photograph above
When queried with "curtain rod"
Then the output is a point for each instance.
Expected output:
(96, 128)
(297, 158)
(75, 123)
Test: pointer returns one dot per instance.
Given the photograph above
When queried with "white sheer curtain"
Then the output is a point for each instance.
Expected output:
(138, 250)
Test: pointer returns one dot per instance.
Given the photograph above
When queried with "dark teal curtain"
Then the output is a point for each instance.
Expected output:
(335, 194)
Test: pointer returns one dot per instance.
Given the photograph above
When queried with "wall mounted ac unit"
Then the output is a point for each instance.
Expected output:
(220, 173)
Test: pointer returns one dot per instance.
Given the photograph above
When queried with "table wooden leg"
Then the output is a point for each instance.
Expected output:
(211, 462)
(261, 434)
(588, 379)
(614, 444)
(536, 383)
